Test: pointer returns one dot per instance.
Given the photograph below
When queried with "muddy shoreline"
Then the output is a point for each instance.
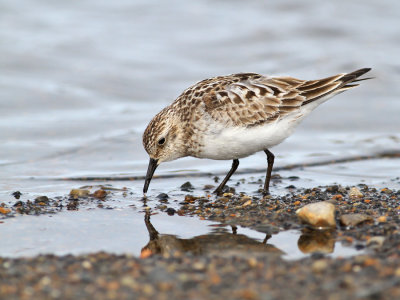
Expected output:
(230, 265)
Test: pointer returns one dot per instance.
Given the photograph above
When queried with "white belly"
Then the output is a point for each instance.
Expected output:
(237, 142)
(240, 142)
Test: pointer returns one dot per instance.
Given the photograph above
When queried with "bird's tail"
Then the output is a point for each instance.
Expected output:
(349, 79)
(317, 89)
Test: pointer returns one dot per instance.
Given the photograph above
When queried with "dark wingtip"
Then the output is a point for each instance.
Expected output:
(354, 75)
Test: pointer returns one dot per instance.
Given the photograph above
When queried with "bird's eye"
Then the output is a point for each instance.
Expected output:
(161, 141)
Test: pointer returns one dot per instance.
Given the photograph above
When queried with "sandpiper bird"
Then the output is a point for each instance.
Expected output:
(234, 116)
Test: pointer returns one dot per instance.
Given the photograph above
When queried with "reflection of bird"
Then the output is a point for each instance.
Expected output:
(204, 244)
(231, 117)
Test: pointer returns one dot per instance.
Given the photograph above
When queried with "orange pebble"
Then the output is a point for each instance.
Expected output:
(4, 210)
(337, 197)
(145, 253)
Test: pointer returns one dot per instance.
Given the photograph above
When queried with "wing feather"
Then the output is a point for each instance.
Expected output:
(251, 99)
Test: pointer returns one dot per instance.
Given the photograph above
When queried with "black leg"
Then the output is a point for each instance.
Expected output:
(235, 164)
(270, 159)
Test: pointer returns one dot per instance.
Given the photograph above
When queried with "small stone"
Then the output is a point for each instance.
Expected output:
(17, 194)
(162, 207)
(4, 210)
(46, 280)
(354, 219)
(190, 199)
(199, 266)
(355, 193)
(187, 187)
(145, 253)
(162, 196)
(73, 205)
(376, 241)
(148, 289)
(245, 198)
(247, 203)
(382, 219)
(252, 262)
(100, 194)
(42, 199)
(78, 193)
(320, 214)
(129, 282)
(337, 197)
(18, 204)
(386, 191)
(170, 211)
(332, 189)
(86, 264)
(319, 266)
(208, 187)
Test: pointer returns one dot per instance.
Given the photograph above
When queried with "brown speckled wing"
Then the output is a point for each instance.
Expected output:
(250, 99)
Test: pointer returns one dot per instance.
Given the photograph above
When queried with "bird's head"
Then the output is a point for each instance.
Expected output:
(163, 140)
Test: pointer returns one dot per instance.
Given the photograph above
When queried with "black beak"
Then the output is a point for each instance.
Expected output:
(153, 164)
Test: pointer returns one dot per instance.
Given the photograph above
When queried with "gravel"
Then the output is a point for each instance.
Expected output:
(240, 274)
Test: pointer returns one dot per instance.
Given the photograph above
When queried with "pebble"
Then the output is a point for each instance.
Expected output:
(170, 211)
(187, 187)
(42, 199)
(376, 241)
(4, 210)
(78, 193)
(86, 264)
(17, 194)
(397, 272)
(202, 276)
(382, 219)
(162, 196)
(354, 219)
(199, 266)
(208, 187)
(100, 194)
(319, 266)
(247, 203)
(355, 193)
(319, 215)
(228, 195)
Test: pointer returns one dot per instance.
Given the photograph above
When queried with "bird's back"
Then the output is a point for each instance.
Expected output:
(249, 99)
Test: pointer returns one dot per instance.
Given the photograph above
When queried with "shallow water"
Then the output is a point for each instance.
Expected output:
(123, 231)
(80, 81)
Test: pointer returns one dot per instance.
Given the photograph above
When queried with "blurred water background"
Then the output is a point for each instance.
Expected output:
(80, 80)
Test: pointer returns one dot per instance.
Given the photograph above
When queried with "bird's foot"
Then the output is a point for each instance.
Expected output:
(224, 189)
(265, 192)
(218, 192)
